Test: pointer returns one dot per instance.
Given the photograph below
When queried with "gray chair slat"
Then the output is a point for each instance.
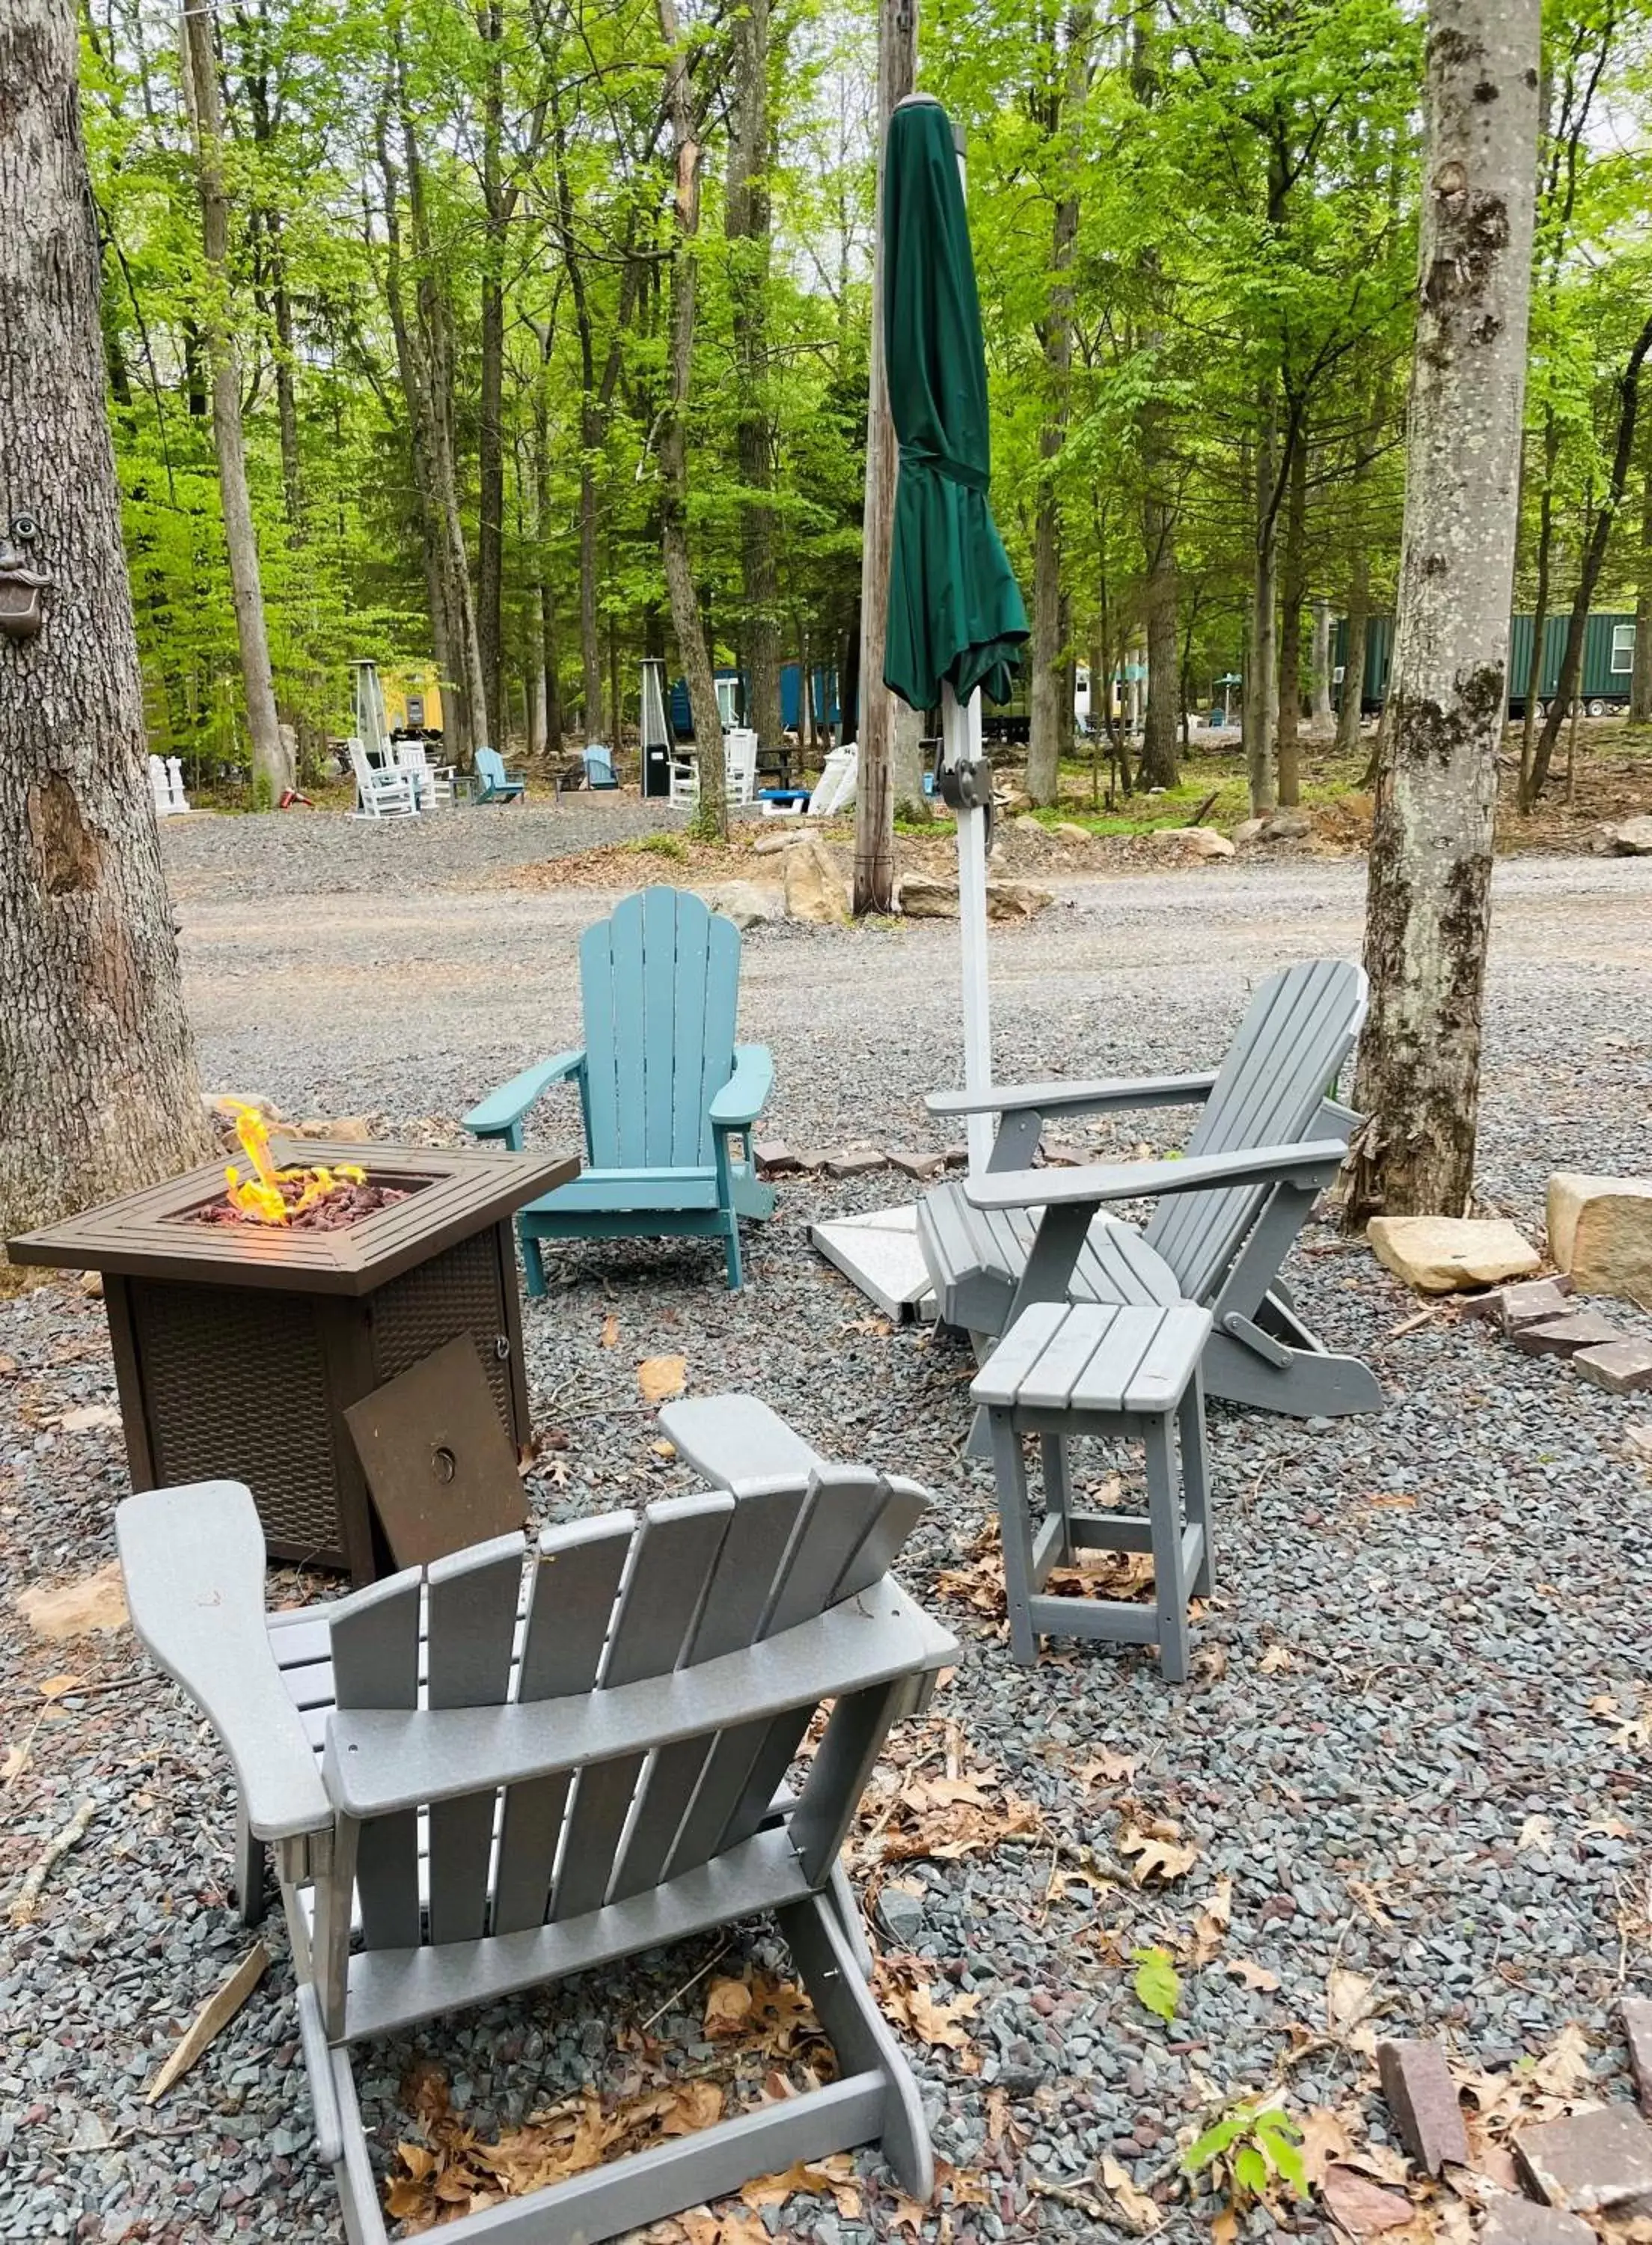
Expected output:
(1119, 1266)
(1023, 1345)
(1051, 1381)
(1129, 1337)
(473, 1598)
(749, 1571)
(849, 1505)
(575, 1577)
(374, 1639)
(658, 1611)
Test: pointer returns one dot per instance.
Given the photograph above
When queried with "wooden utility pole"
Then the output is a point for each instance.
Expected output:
(1428, 910)
(97, 1087)
(272, 767)
(875, 795)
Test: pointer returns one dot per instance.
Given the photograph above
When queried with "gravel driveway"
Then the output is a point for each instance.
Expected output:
(1416, 1745)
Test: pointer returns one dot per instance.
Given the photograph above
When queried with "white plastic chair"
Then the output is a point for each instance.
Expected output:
(381, 792)
(834, 789)
(433, 784)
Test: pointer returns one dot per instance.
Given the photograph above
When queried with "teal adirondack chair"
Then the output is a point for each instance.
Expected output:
(494, 783)
(663, 1086)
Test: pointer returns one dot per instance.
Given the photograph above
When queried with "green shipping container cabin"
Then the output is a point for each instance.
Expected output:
(1608, 658)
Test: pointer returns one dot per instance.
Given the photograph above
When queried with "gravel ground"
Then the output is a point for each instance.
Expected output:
(1418, 1742)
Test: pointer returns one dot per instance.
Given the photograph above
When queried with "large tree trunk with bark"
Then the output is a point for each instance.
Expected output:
(711, 812)
(1570, 685)
(1641, 674)
(271, 766)
(97, 1087)
(874, 884)
(1429, 895)
(747, 225)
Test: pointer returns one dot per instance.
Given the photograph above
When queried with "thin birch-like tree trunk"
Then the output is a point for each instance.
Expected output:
(97, 1086)
(271, 765)
(1428, 910)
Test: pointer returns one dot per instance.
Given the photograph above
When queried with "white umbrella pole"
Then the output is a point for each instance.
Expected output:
(961, 735)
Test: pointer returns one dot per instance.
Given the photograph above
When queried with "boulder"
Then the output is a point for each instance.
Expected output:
(922, 897)
(815, 890)
(1634, 838)
(1599, 1229)
(1287, 826)
(342, 1129)
(1011, 800)
(1248, 830)
(1194, 841)
(1440, 1254)
(1015, 899)
(1069, 830)
(744, 903)
(225, 1103)
(770, 845)
(1026, 824)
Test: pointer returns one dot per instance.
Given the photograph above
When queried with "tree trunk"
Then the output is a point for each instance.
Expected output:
(271, 766)
(711, 812)
(874, 885)
(1160, 763)
(748, 228)
(1570, 684)
(1351, 707)
(1429, 896)
(490, 556)
(1320, 714)
(1540, 608)
(1261, 654)
(1292, 592)
(97, 1086)
(1640, 675)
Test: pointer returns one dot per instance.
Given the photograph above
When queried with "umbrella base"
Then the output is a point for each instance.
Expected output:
(879, 1254)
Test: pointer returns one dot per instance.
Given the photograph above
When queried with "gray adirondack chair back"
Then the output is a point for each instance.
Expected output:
(597, 1605)
(1283, 1064)
(660, 984)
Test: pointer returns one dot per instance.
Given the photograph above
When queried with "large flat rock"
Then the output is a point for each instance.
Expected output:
(1442, 1254)
(1599, 1229)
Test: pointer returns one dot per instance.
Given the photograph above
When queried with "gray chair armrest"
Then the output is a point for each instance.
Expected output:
(193, 1563)
(1059, 1098)
(1317, 1160)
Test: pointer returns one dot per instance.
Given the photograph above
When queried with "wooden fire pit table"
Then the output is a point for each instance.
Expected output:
(239, 1346)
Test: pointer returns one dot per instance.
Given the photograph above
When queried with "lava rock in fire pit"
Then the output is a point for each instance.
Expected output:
(347, 1203)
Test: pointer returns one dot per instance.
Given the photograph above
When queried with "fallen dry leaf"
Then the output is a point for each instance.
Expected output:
(905, 1994)
(1210, 1923)
(1361, 2207)
(58, 1687)
(1324, 2138)
(1536, 1835)
(1350, 2002)
(93, 1601)
(1106, 1767)
(727, 2008)
(1224, 2230)
(1157, 1857)
(1141, 2213)
(87, 1416)
(609, 1337)
(661, 1377)
(1254, 1976)
(1277, 1656)
(835, 2174)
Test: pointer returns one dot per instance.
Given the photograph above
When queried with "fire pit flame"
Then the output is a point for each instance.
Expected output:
(260, 1198)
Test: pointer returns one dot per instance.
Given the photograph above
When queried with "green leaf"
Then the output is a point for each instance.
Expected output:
(1250, 2170)
(1279, 2135)
(1158, 1985)
(1215, 2139)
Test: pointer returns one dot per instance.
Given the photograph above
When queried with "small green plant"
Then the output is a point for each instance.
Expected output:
(263, 793)
(1250, 2147)
(1157, 1983)
(660, 846)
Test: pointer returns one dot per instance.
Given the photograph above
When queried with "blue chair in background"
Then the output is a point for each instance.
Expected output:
(494, 783)
(664, 1089)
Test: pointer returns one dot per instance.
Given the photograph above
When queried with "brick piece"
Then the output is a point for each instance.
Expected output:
(955, 1157)
(1531, 1304)
(1566, 1336)
(919, 1167)
(1422, 2099)
(1522, 2221)
(1598, 2161)
(1635, 2012)
(856, 1164)
(1622, 1367)
(776, 1157)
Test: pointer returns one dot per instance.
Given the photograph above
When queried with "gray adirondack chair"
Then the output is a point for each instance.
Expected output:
(1269, 1139)
(664, 1089)
(524, 1762)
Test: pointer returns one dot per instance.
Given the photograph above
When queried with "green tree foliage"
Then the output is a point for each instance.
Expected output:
(1215, 205)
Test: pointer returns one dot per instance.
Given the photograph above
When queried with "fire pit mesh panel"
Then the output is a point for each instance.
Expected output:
(238, 1392)
(456, 1292)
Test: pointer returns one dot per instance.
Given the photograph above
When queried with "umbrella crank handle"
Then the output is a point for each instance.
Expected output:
(967, 785)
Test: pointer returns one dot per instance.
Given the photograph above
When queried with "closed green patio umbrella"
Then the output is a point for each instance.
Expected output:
(955, 610)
